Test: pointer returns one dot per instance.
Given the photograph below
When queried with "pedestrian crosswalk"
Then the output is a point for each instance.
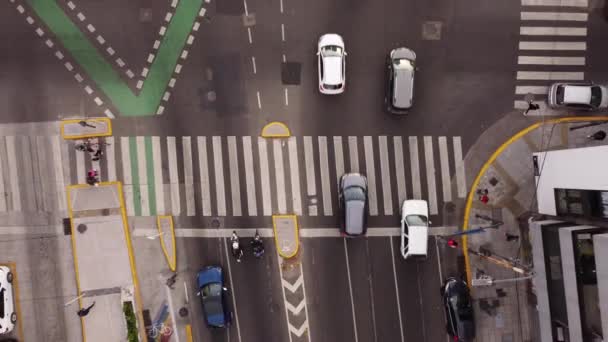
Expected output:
(552, 47)
(235, 176)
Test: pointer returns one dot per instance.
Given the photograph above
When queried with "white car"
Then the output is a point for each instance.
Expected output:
(414, 228)
(8, 316)
(332, 64)
(581, 96)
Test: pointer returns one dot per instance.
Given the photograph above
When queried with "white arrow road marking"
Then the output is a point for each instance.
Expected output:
(295, 309)
(298, 332)
(293, 288)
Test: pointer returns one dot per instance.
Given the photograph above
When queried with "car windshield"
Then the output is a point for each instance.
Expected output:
(354, 193)
(596, 96)
(402, 63)
(559, 95)
(416, 220)
(331, 51)
(213, 289)
(331, 86)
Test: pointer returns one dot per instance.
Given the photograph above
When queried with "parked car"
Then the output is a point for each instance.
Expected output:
(8, 316)
(414, 228)
(579, 96)
(401, 65)
(210, 282)
(332, 64)
(458, 310)
(353, 203)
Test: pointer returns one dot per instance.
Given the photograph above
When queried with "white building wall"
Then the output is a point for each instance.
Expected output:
(579, 168)
(600, 247)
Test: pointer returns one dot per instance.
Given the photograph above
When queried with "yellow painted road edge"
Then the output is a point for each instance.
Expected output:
(172, 262)
(107, 133)
(71, 216)
(189, 333)
(490, 161)
(283, 126)
(276, 240)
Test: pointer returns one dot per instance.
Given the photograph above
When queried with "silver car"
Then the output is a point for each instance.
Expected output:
(353, 204)
(401, 65)
(581, 96)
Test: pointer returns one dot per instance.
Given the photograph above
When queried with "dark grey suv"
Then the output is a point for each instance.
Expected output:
(353, 203)
(458, 310)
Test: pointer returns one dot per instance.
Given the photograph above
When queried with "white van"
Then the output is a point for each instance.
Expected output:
(414, 228)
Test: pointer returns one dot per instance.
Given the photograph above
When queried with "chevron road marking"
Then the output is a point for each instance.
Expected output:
(295, 286)
(295, 309)
(298, 332)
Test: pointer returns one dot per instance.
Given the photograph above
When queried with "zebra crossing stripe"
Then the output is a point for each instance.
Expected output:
(12, 172)
(430, 174)
(264, 177)
(310, 174)
(279, 175)
(188, 175)
(415, 165)
(138, 156)
(173, 177)
(386, 175)
(339, 157)
(43, 149)
(159, 191)
(459, 164)
(371, 175)
(218, 163)
(235, 187)
(564, 3)
(249, 176)
(399, 170)
(110, 153)
(353, 154)
(324, 171)
(126, 173)
(204, 174)
(445, 169)
(57, 172)
(295, 175)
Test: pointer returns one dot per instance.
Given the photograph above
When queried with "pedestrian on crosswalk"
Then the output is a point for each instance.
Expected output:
(531, 106)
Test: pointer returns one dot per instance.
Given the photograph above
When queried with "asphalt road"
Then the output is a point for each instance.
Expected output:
(390, 296)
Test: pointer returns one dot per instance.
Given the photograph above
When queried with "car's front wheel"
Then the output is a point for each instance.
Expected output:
(13, 317)
(9, 277)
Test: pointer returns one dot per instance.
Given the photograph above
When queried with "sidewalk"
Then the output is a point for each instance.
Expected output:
(104, 263)
(505, 311)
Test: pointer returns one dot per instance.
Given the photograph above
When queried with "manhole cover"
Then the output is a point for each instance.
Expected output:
(82, 228)
(290, 73)
(493, 181)
(183, 312)
(431, 30)
(215, 223)
(145, 14)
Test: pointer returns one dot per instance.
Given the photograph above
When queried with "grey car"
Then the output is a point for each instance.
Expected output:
(353, 204)
(401, 65)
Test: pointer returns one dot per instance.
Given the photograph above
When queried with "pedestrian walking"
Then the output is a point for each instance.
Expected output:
(531, 106)
(92, 178)
(599, 136)
(85, 311)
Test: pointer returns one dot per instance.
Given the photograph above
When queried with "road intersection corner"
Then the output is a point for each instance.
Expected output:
(286, 236)
(72, 129)
(276, 129)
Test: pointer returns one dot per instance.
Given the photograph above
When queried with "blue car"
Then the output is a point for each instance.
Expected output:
(210, 281)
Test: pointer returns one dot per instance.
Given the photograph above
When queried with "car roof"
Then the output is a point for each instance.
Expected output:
(577, 94)
(210, 274)
(354, 217)
(333, 70)
(353, 179)
(418, 240)
(404, 86)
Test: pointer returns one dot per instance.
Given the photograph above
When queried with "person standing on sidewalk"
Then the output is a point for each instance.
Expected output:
(483, 195)
(85, 311)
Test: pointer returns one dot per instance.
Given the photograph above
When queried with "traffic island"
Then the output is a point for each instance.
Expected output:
(276, 129)
(74, 129)
(106, 277)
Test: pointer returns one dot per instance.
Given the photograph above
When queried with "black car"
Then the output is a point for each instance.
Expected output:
(458, 310)
(353, 203)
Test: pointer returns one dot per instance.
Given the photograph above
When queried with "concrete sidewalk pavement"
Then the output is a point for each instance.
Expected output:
(104, 263)
(505, 311)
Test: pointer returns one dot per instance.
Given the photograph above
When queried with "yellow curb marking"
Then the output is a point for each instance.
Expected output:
(493, 157)
(297, 234)
(171, 261)
(278, 126)
(13, 267)
(105, 121)
(189, 333)
(129, 249)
